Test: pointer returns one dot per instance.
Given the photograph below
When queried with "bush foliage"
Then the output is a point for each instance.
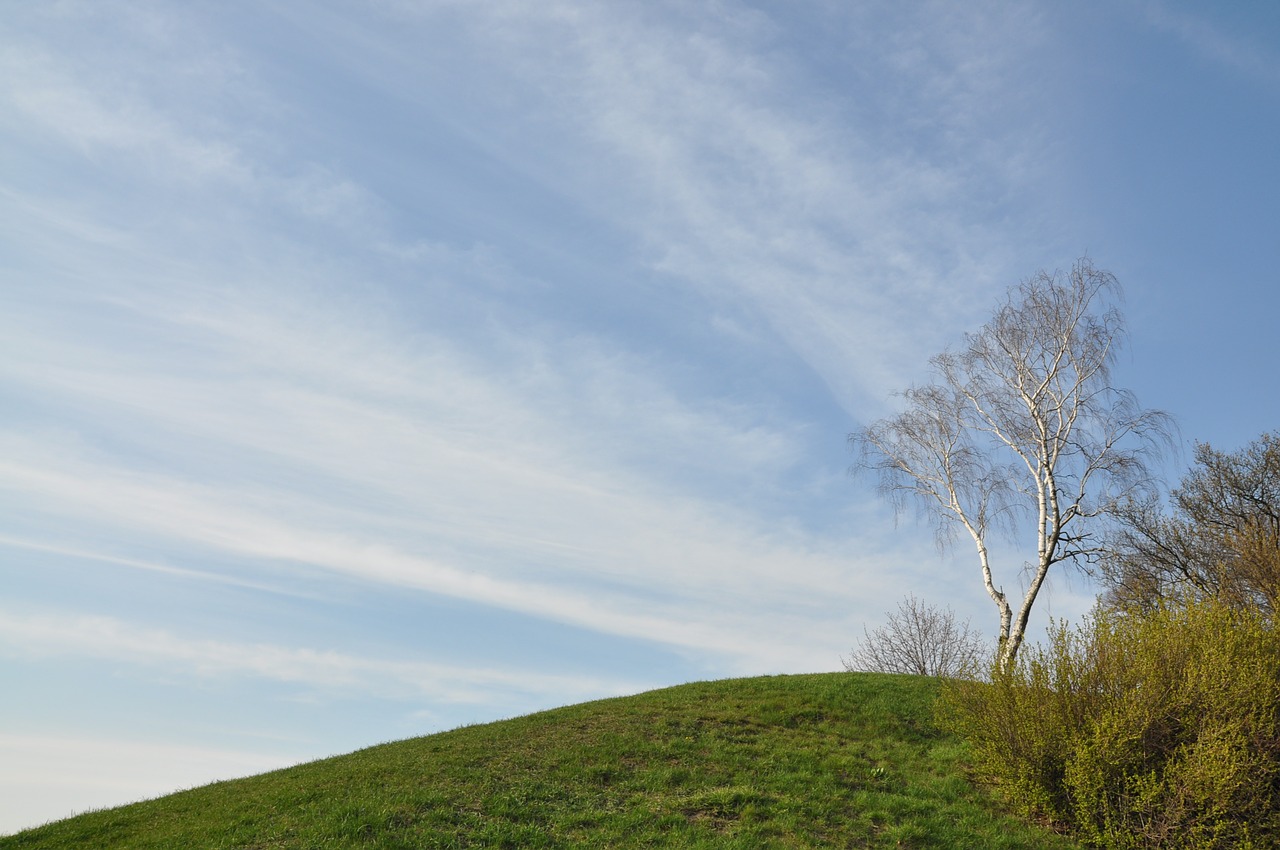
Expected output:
(1152, 729)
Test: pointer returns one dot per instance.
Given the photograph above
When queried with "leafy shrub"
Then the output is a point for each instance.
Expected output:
(1135, 730)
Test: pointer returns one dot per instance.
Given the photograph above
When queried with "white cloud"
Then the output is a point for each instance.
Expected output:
(156, 125)
(603, 562)
(94, 119)
(136, 563)
(37, 636)
(323, 433)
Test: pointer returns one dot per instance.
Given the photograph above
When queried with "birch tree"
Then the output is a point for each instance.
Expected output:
(1023, 431)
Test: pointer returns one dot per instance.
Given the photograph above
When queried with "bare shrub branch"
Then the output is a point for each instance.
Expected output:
(923, 640)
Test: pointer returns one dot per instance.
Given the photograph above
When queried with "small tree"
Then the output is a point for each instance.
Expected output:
(1023, 423)
(922, 640)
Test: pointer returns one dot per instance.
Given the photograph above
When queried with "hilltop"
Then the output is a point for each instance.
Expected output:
(824, 760)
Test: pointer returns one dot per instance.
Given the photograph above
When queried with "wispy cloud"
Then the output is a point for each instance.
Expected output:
(296, 432)
(703, 583)
(137, 564)
(54, 100)
(853, 253)
(122, 119)
(800, 217)
(108, 639)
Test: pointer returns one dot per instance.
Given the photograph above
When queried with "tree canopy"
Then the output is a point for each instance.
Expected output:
(1218, 537)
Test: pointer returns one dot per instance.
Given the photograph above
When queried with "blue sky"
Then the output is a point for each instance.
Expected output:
(372, 368)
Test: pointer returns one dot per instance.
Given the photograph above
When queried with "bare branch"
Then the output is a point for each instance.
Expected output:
(922, 640)
(1220, 537)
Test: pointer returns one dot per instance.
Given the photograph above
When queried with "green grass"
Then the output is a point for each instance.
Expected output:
(829, 760)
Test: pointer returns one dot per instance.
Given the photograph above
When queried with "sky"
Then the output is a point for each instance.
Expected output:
(373, 368)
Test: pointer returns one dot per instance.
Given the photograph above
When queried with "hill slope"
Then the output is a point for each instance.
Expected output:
(830, 760)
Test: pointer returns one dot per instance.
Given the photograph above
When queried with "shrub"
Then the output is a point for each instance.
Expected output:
(921, 640)
(1157, 729)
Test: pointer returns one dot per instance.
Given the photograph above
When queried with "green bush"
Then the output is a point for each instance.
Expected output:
(1158, 729)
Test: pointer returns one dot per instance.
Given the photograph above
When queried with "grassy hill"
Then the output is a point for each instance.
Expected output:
(830, 760)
